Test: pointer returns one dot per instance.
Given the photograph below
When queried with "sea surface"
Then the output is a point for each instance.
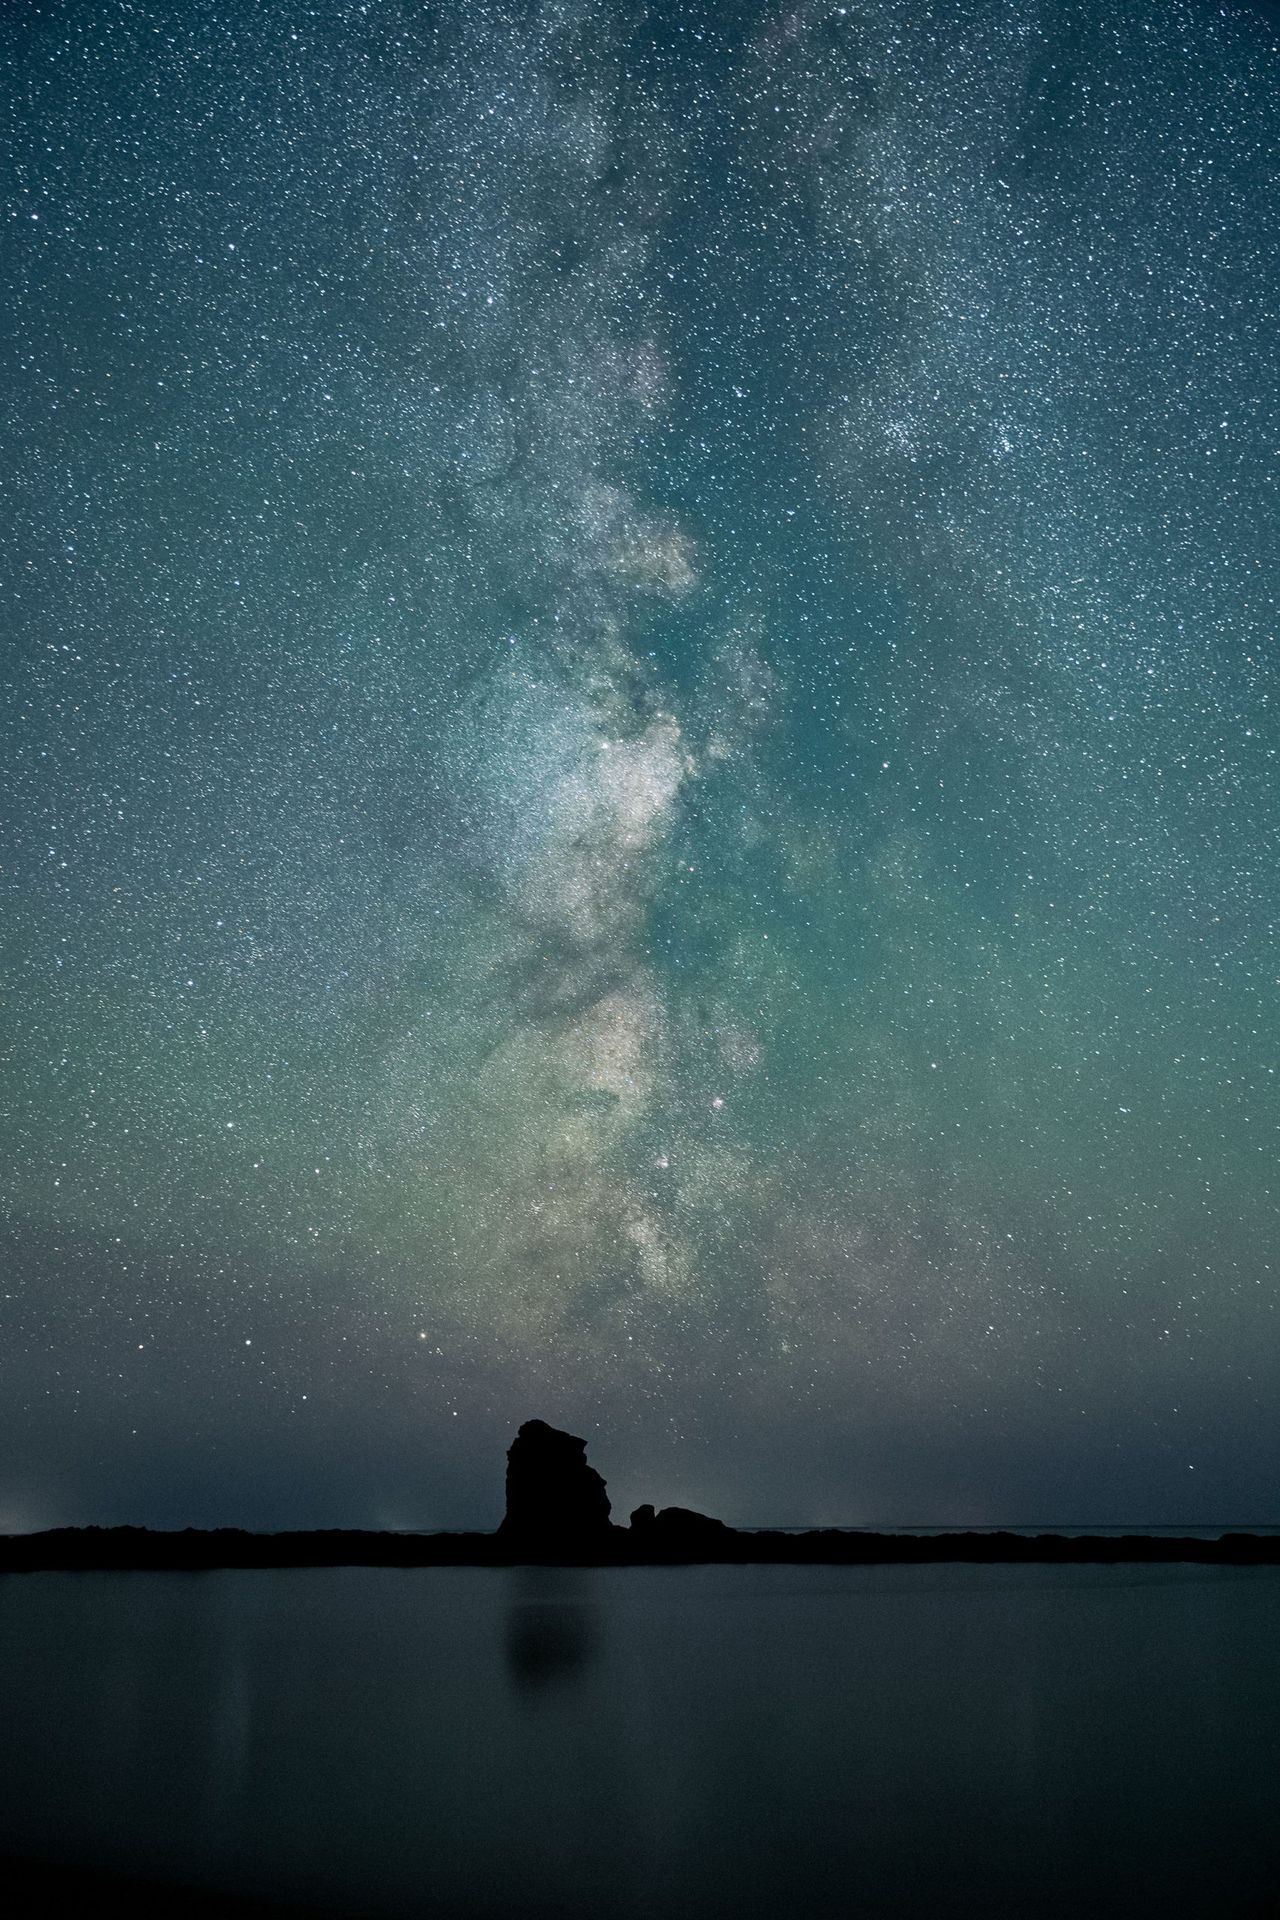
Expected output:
(746, 1741)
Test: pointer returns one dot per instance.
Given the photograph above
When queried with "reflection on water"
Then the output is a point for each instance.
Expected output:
(656, 1741)
(550, 1626)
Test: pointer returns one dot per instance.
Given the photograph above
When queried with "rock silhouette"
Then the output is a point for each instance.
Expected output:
(556, 1503)
(678, 1533)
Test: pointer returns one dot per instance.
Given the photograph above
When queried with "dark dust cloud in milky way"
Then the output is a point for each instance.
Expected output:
(640, 757)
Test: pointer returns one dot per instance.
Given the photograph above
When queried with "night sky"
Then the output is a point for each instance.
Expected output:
(640, 758)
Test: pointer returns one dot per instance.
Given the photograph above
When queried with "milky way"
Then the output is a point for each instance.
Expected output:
(641, 758)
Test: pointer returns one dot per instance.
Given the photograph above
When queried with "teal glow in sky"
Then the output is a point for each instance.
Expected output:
(641, 758)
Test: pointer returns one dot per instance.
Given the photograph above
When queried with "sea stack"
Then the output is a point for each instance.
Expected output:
(557, 1506)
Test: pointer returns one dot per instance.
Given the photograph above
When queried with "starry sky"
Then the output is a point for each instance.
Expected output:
(640, 757)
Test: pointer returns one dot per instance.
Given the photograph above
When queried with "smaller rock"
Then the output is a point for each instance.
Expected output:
(678, 1533)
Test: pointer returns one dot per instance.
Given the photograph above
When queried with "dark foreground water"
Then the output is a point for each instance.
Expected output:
(711, 1741)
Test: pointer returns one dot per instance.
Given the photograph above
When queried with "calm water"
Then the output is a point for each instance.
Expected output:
(657, 1742)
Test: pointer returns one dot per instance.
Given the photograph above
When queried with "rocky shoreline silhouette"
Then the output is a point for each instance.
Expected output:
(558, 1514)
